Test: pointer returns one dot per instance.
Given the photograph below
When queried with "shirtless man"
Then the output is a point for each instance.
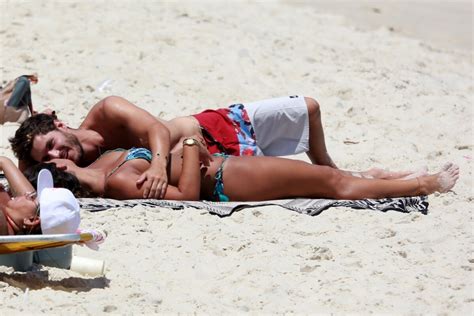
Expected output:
(274, 127)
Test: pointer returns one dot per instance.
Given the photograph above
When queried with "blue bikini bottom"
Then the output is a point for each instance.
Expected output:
(218, 193)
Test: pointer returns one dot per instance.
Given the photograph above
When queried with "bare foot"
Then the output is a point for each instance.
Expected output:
(446, 166)
(441, 182)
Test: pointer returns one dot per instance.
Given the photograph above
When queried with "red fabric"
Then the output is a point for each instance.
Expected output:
(222, 129)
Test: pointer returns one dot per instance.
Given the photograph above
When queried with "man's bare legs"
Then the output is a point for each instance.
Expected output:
(319, 155)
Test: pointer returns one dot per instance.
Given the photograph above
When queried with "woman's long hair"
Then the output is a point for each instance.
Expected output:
(61, 179)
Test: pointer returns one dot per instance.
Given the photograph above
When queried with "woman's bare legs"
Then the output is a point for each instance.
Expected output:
(266, 178)
(441, 182)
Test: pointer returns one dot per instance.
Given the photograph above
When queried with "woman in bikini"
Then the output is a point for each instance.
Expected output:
(115, 173)
(18, 203)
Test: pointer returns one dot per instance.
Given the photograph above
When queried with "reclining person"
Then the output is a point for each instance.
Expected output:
(243, 178)
(21, 207)
(274, 127)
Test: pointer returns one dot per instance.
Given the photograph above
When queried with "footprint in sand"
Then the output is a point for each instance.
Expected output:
(321, 253)
(345, 94)
(385, 233)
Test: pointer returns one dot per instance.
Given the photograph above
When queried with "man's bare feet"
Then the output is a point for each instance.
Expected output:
(441, 182)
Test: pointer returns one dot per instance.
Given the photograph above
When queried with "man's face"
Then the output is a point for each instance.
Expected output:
(56, 144)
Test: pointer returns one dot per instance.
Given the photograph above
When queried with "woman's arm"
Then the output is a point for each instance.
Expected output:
(19, 185)
(122, 184)
(189, 185)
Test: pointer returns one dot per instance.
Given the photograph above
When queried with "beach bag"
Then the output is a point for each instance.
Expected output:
(15, 99)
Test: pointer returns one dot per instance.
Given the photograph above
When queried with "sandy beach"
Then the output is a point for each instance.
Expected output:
(390, 97)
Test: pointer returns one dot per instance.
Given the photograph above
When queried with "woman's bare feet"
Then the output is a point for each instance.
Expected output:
(441, 182)
(446, 166)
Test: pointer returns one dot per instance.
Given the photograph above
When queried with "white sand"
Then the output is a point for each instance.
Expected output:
(387, 100)
(447, 23)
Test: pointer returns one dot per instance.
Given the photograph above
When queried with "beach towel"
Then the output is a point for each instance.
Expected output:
(304, 206)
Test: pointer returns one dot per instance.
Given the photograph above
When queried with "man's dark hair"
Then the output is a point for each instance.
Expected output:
(61, 178)
(22, 142)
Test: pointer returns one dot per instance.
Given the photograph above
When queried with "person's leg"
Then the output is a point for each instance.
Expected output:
(275, 178)
(290, 125)
(317, 153)
(342, 186)
(353, 188)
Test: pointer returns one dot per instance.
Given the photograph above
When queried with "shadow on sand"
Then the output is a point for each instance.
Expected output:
(38, 279)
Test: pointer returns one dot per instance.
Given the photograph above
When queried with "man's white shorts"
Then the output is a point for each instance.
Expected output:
(281, 125)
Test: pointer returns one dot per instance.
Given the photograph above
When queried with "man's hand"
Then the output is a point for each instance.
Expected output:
(65, 165)
(204, 156)
(155, 182)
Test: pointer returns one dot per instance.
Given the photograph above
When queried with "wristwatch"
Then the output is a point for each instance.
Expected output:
(190, 142)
